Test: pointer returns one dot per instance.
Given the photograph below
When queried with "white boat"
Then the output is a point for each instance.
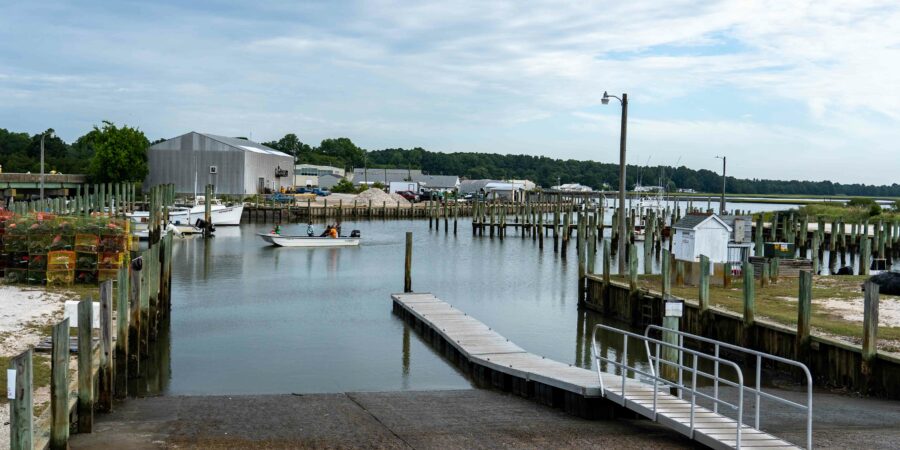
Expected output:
(282, 240)
(182, 215)
(219, 213)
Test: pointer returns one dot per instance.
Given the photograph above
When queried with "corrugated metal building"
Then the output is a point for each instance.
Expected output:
(232, 165)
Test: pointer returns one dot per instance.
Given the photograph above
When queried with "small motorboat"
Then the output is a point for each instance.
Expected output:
(282, 240)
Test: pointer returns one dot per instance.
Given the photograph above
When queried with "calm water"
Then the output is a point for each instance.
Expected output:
(250, 318)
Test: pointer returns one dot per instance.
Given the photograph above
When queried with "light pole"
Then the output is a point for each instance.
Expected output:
(43, 135)
(622, 231)
(722, 201)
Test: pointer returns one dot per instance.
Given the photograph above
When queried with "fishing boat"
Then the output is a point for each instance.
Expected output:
(282, 240)
(219, 213)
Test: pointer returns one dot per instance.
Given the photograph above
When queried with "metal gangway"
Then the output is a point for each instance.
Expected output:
(666, 388)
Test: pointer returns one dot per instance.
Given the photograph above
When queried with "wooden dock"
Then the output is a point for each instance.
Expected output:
(492, 360)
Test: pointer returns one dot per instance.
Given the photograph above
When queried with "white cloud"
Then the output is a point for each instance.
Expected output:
(473, 75)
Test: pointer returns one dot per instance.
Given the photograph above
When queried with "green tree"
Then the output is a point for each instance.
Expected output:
(343, 187)
(120, 154)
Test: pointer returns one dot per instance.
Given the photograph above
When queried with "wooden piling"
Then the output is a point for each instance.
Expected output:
(85, 366)
(407, 278)
(870, 328)
(21, 413)
(105, 372)
(134, 325)
(59, 386)
(703, 295)
(804, 314)
(749, 294)
(120, 371)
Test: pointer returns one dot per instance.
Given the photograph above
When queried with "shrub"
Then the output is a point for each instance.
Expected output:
(874, 210)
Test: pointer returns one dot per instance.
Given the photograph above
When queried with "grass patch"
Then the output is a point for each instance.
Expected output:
(778, 302)
(40, 377)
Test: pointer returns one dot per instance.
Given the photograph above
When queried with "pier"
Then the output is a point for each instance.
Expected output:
(492, 360)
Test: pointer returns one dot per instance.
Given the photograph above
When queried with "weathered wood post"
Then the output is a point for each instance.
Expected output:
(85, 366)
(59, 387)
(865, 254)
(134, 325)
(870, 332)
(804, 313)
(774, 268)
(407, 278)
(632, 270)
(120, 371)
(679, 273)
(703, 296)
(749, 295)
(758, 235)
(105, 373)
(764, 275)
(21, 413)
(670, 322)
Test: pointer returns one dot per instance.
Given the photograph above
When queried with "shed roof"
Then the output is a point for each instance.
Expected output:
(692, 221)
(437, 181)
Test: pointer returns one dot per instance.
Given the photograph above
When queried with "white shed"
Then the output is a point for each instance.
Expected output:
(697, 234)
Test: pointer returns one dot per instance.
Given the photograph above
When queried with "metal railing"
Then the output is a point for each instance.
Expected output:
(757, 390)
(658, 380)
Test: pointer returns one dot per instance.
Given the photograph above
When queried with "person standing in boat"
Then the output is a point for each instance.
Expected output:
(332, 232)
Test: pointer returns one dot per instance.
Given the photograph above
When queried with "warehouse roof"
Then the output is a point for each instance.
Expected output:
(245, 144)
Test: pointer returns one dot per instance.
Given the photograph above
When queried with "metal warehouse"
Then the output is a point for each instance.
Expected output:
(232, 165)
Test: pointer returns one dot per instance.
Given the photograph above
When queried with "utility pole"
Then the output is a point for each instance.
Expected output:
(43, 135)
(722, 201)
(623, 233)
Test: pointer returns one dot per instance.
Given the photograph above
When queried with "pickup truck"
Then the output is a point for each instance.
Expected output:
(317, 191)
(281, 198)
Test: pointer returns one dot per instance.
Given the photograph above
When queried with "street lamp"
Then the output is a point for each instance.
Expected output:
(43, 135)
(722, 202)
(622, 231)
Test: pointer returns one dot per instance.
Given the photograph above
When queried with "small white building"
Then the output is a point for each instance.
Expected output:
(699, 234)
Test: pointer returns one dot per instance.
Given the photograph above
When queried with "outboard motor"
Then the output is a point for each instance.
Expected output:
(201, 224)
(354, 234)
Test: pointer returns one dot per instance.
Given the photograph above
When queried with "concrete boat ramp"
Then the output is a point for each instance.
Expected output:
(493, 360)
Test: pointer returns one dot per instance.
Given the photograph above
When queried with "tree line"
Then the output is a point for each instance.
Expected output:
(119, 153)
(107, 153)
(545, 171)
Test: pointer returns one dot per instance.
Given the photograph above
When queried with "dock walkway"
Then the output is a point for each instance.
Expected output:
(577, 390)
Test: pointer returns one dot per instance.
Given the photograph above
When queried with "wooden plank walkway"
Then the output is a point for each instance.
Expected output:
(486, 348)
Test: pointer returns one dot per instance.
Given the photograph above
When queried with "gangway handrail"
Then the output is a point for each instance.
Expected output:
(758, 389)
(625, 368)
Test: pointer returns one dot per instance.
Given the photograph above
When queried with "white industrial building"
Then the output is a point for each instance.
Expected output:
(234, 166)
(311, 175)
(697, 234)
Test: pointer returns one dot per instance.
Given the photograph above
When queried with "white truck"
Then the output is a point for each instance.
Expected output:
(400, 186)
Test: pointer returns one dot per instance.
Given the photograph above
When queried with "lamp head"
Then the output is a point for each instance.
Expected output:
(605, 99)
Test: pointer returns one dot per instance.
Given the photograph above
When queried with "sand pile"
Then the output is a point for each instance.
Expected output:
(378, 197)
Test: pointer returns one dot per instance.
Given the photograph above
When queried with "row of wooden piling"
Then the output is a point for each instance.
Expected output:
(844, 241)
(89, 198)
(601, 295)
(140, 299)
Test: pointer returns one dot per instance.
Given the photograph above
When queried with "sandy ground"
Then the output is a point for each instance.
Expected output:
(22, 308)
(852, 310)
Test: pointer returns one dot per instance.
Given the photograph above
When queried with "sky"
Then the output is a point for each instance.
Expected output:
(785, 89)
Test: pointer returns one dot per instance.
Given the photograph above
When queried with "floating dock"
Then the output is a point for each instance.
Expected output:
(492, 360)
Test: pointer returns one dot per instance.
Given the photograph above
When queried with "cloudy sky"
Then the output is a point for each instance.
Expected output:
(785, 89)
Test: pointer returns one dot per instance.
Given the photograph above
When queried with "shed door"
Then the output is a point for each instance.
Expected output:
(739, 230)
(261, 185)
